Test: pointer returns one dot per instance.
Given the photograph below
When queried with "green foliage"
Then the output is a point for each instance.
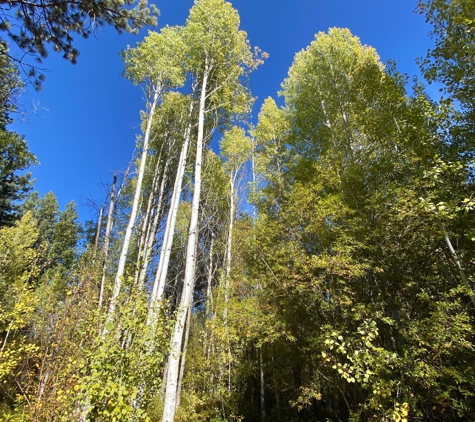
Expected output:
(214, 44)
(351, 203)
(14, 154)
(32, 26)
(344, 300)
(59, 233)
(235, 148)
(18, 302)
(103, 378)
(121, 368)
(215, 188)
(65, 237)
(450, 62)
(158, 59)
(14, 158)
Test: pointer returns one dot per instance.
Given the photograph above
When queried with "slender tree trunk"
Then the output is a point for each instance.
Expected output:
(183, 356)
(227, 273)
(133, 216)
(154, 227)
(146, 224)
(261, 371)
(165, 252)
(229, 241)
(457, 262)
(107, 240)
(253, 170)
(209, 292)
(188, 284)
(98, 234)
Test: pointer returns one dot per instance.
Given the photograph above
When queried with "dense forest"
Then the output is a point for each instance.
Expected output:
(319, 268)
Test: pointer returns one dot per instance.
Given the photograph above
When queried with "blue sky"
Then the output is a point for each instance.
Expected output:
(86, 118)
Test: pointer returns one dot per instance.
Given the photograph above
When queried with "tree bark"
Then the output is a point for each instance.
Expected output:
(189, 280)
(133, 216)
(98, 234)
(154, 227)
(107, 240)
(183, 356)
(146, 225)
(165, 252)
(229, 241)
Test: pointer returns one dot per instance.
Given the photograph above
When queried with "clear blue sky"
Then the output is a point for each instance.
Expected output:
(87, 115)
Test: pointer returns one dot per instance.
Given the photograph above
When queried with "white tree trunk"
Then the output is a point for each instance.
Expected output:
(209, 290)
(154, 227)
(147, 225)
(183, 356)
(189, 280)
(165, 252)
(227, 272)
(107, 240)
(133, 216)
(98, 234)
(253, 170)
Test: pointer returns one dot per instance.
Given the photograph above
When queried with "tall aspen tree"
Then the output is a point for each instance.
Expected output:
(236, 149)
(105, 248)
(156, 63)
(172, 117)
(218, 56)
(165, 251)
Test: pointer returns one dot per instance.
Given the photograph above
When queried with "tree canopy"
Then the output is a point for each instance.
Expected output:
(33, 25)
(318, 267)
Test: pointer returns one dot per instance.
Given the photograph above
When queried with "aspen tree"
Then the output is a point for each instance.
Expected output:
(172, 116)
(346, 242)
(154, 62)
(236, 148)
(148, 220)
(218, 56)
(165, 251)
(107, 240)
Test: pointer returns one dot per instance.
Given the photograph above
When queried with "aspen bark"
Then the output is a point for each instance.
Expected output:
(229, 240)
(146, 225)
(165, 252)
(107, 240)
(188, 284)
(133, 216)
(98, 234)
(183, 357)
(154, 227)
(253, 171)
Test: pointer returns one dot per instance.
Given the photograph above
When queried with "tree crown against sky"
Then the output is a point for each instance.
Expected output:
(91, 79)
(34, 25)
